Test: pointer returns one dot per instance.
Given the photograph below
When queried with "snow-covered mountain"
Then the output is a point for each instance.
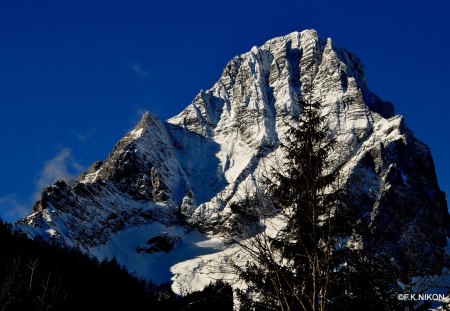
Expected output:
(165, 178)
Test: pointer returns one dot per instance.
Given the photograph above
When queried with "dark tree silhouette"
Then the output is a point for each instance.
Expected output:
(314, 261)
(36, 276)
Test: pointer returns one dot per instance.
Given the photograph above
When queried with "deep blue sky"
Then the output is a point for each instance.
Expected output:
(76, 75)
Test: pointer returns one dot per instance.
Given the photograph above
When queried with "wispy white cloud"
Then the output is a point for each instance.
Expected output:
(139, 70)
(82, 136)
(62, 166)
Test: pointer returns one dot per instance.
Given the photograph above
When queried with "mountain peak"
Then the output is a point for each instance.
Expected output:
(213, 153)
(146, 116)
(146, 122)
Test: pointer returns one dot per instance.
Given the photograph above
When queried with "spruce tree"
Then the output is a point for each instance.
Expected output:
(317, 219)
(308, 264)
(293, 269)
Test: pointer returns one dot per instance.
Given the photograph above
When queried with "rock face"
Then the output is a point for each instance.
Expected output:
(140, 182)
(199, 162)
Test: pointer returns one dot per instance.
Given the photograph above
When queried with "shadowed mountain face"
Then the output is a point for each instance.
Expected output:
(197, 163)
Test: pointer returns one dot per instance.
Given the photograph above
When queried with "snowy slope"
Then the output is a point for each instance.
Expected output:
(190, 169)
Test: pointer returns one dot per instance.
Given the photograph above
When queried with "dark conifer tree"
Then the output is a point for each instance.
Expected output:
(308, 264)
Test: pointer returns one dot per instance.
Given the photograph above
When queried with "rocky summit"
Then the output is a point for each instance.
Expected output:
(171, 183)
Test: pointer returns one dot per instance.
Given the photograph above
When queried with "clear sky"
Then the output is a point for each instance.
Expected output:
(76, 75)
